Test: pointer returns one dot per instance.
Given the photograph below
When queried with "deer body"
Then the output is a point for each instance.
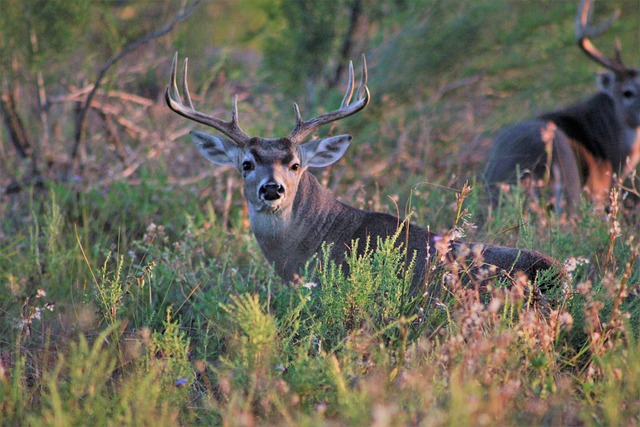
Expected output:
(584, 145)
(604, 138)
(292, 215)
(295, 215)
(595, 121)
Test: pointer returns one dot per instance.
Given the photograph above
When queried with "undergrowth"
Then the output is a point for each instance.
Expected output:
(180, 321)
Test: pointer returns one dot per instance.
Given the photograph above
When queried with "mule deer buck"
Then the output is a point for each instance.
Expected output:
(586, 145)
(291, 214)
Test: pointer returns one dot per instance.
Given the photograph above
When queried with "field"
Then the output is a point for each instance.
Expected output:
(132, 291)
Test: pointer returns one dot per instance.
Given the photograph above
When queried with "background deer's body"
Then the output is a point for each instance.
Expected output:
(292, 215)
(583, 145)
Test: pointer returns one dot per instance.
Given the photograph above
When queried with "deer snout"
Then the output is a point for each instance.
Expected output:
(271, 191)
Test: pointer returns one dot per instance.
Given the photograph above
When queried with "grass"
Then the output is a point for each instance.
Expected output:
(147, 302)
(166, 324)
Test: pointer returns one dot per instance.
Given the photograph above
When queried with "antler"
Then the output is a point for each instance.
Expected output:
(304, 128)
(584, 32)
(172, 96)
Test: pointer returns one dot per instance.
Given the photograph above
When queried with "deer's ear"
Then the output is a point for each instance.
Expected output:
(606, 81)
(220, 151)
(323, 152)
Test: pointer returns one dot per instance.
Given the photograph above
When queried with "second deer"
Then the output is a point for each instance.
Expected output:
(586, 145)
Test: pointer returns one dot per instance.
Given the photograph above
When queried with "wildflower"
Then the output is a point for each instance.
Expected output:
(566, 320)
(456, 233)
(463, 252)
(181, 381)
(615, 230)
(494, 305)
(200, 366)
(155, 232)
(310, 285)
(584, 287)
(572, 263)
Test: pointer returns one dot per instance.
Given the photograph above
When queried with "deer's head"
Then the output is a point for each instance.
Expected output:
(271, 168)
(620, 82)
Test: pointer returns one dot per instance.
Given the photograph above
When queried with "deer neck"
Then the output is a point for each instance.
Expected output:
(289, 238)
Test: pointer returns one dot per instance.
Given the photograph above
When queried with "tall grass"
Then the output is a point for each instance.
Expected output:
(169, 326)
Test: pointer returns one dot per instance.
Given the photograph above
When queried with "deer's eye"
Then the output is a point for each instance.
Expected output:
(295, 166)
(247, 166)
(628, 94)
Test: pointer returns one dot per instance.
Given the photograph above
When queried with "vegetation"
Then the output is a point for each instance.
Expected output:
(132, 291)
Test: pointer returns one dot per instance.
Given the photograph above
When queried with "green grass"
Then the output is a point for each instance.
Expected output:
(185, 323)
(148, 302)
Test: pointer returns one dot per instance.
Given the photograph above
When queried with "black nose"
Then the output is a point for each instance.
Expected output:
(271, 191)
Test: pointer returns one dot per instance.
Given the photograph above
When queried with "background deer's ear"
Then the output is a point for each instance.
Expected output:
(220, 151)
(323, 152)
(606, 81)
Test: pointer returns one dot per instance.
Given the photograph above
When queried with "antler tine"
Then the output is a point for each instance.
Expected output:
(349, 93)
(185, 86)
(296, 111)
(174, 101)
(172, 89)
(234, 109)
(303, 128)
(584, 31)
(363, 78)
(618, 53)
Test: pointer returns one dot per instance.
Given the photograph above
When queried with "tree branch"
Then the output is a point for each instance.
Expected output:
(186, 12)
(15, 127)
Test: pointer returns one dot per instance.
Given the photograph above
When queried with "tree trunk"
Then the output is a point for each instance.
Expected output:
(345, 51)
(12, 121)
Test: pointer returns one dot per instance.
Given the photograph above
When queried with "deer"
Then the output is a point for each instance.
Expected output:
(585, 146)
(292, 216)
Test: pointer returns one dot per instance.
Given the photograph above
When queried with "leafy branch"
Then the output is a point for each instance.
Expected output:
(79, 132)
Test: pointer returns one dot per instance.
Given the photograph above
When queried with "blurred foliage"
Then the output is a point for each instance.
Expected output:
(34, 32)
(299, 51)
